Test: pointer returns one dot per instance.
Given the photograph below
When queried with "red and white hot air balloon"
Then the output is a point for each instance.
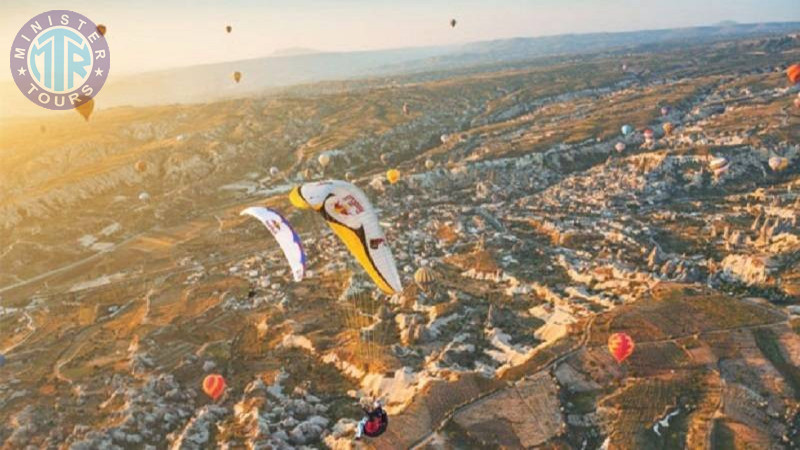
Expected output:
(621, 346)
(214, 386)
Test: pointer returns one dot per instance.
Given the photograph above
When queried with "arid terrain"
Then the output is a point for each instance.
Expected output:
(543, 237)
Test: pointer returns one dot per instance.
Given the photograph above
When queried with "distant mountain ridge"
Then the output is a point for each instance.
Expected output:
(299, 65)
(295, 51)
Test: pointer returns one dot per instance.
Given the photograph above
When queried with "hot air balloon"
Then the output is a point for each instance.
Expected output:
(274, 171)
(324, 160)
(648, 134)
(453, 23)
(621, 346)
(668, 127)
(429, 164)
(237, 76)
(444, 138)
(392, 175)
(405, 108)
(377, 184)
(287, 237)
(144, 196)
(665, 110)
(214, 386)
(717, 163)
(101, 29)
(140, 166)
(425, 278)
(353, 219)
(626, 130)
(778, 163)
(793, 73)
(85, 107)
(228, 28)
(719, 166)
(619, 147)
(385, 158)
(349, 176)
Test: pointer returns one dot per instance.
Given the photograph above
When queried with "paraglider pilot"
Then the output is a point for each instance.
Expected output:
(374, 423)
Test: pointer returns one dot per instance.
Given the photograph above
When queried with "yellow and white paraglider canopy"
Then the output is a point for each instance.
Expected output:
(351, 216)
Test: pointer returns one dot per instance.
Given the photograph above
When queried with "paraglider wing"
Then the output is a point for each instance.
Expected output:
(621, 346)
(287, 237)
(351, 216)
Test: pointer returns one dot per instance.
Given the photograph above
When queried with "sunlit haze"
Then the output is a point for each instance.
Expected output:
(150, 35)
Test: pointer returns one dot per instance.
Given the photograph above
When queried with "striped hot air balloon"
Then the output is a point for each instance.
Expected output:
(214, 386)
(425, 277)
(621, 346)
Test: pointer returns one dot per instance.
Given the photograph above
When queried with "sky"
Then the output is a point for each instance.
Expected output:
(147, 35)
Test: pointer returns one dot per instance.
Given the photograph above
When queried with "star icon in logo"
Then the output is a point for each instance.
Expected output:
(98, 72)
(21, 71)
